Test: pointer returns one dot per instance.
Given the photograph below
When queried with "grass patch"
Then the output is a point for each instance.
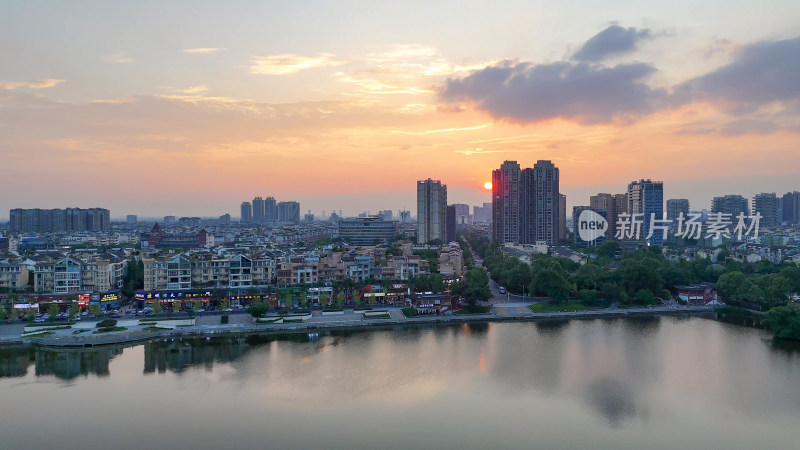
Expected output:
(59, 327)
(80, 331)
(476, 309)
(289, 319)
(157, 329)
(159, 319)
(39, 334)
(268, 320)
(561, 306)
(108, 330)
(410, 312)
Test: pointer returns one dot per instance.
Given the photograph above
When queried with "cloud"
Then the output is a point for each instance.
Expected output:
(286, 64)
(761, 74)
(614, 40)
(32, 84)
(193, 89)
(204, 50)
(118, 58)
(526, 92)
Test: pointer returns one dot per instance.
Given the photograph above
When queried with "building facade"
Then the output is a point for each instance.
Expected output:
(58, 220)
(676, 207)
(646, 197)
(730, 204)
(431, 211)
(365, 231)
(767, 204)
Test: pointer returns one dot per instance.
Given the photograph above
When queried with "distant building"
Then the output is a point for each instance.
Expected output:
(160, 239)
(790, 208)
(614, 204)
(431, 210)
(225, 219)
(589, 230)
(676, 207)
(270, 210)
(58, 220)
(289, 212)
(450, 229)
(562, 220)
(646, 197)
(385, 214)
(247, 212)
(131, 219)
(169, 220)
(482, 213)
(258, 210)
(308, 218)
(463, 217)
(405, 216)
(189, 221)
(767, 204)
(730, 204)
(366, 231)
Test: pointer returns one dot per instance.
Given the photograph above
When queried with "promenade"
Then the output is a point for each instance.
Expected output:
(243, 324)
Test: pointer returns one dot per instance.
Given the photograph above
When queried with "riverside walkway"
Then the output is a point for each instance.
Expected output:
(209, 325)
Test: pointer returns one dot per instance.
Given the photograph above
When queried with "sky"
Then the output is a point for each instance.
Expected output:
(191, 107)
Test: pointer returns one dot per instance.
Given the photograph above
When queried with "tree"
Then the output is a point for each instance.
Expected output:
(587, 296)
(198, 305)
(257, 309)
(475, 286)
(30, 316)
(340, 299)
(357, 299)
(645, 296)
(95, 310)
(552, 283)
(729, 286)
(52, 310)
(784, 321)
(224, 303)
(73, 310)
(156, 306)
(323, 299)
(176, 306)
(303, 299)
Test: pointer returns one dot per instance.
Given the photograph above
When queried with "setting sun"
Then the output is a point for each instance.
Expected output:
(487, 185)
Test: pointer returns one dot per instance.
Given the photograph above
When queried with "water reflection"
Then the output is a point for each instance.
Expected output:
(633, 377)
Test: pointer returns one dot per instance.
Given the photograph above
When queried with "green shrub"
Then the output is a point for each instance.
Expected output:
(107, 323)
(410, 312)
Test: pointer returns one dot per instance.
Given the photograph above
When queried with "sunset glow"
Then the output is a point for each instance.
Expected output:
(487, 185)
(191, 123)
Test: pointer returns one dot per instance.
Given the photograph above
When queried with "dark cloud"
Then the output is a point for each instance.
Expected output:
(524, 92)
(613, 40)
(761, 74)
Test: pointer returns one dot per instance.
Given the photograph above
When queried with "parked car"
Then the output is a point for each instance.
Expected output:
(39, 320)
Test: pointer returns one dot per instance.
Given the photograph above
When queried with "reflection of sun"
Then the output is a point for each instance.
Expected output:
(487, 185)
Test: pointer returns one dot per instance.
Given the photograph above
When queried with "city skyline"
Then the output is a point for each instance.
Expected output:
(291, 103)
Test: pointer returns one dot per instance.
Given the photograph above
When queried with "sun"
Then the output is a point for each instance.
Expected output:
(487, 185)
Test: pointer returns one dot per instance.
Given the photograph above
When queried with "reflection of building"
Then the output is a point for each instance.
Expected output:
(177, 356)
(70, 363)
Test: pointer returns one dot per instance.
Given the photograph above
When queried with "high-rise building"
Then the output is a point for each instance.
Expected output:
(366, 230)
(526, 203)
(169, 220)
(766, 204)
(462, 215)
(730, 204)
(225, 219)
(790, 208)
(405, 216)
(131, 219)
(562, 218)
(676, 206)
(482, 213)
(59, 220)
(289, 212)
(506, 203)
(258, 210)
(646, 197)
(247, 212)
(385, 214)
(431, 211)
(451, 223)
(547, 199)
(270, 210)
(614, 204)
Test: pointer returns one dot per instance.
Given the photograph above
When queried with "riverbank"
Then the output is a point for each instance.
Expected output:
(500, 313)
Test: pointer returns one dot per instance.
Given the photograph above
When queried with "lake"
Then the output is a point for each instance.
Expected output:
(654, 382)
